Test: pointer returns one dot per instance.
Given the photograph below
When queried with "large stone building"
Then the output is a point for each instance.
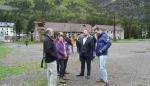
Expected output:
(7, 31)
(68, 28)
(73, 29)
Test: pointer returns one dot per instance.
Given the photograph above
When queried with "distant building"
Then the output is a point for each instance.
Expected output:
(144, 34)
(68, 28)
(7, 31)
(73, 29)
(109, 30)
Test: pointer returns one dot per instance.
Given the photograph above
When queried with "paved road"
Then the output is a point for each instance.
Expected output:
(128, 64)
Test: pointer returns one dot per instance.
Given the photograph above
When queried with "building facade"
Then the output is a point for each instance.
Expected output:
(67, 28)
(7, 31)
(73, 29)
(109, 29)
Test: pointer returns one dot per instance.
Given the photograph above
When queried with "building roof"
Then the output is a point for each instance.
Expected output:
(7, 24)
(108, 27)
(67, 27)
(72, 27)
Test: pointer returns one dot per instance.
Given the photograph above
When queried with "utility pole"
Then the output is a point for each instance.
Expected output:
(114, 30)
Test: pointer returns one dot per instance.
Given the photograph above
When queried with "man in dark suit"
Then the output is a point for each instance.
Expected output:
(86, 53)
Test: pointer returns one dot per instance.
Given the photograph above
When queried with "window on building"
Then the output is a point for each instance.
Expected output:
(107, 31)
(12, 32)
(41, 24)
(37, 37)
(111, 32)
(2, 28)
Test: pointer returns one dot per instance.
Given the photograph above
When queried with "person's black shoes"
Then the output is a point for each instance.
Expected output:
(80, 75)
(67, 73)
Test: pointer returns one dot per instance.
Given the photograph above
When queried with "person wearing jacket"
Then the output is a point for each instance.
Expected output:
(67, 40)
(63, 54)
(103, 44)
(86, 53)
(50, 57)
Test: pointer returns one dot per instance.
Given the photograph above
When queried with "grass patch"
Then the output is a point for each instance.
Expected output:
(41, 82)
(8, 71)
(16, 70)
(1, 44)
(4, 51)
(131, 40)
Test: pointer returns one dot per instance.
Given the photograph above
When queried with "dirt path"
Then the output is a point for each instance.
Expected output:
(20, 54)
(128, 64)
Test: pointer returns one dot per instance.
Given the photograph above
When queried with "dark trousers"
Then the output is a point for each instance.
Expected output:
(61, 66)
(86, 60)
(65, 67)
(58, 66)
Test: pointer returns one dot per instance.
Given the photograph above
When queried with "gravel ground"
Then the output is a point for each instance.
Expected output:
(128, 64)
(20, 54)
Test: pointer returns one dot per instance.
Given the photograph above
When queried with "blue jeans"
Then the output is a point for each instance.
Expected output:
(103, 71)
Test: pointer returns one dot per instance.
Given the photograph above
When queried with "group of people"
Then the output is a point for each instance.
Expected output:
(57, 53)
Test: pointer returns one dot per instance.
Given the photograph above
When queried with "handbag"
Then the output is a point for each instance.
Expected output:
(43, 63)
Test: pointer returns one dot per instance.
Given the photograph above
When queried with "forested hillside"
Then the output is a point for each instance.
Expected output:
(133, 15)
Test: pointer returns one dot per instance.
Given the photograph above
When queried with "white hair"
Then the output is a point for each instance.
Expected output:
(49, 29)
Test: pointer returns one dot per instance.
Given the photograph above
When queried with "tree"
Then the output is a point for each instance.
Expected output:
(131, 13)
